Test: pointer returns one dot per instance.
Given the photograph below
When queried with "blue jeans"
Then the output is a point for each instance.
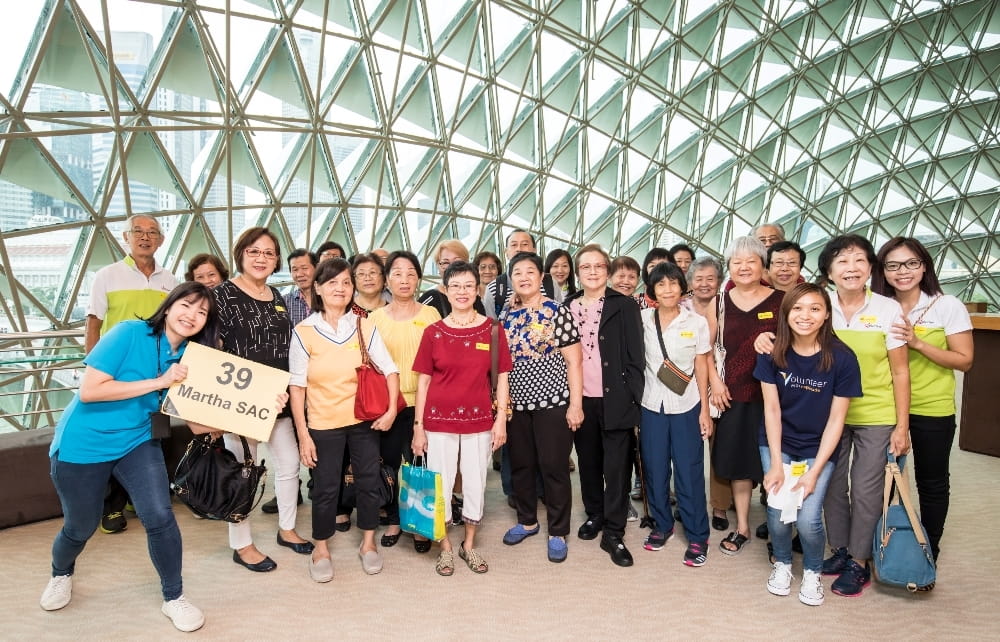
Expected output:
(81, 490)
(672, 444)
(809, 522)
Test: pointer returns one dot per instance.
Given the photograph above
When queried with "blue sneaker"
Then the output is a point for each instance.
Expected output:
(852, 581)
(836, 563)
(519, 533)
(558, 549)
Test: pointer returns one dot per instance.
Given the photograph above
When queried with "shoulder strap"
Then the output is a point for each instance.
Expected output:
(720, 317)
(361, 341)
(659, 334)
(494, 355)
(926, 310)
(902, 487)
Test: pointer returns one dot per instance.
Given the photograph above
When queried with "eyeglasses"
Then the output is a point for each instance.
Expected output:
(462, 287)
(773, 238)
(444, 264)
(593, 267)
(893, 266)
(254, 252)
(367, 275)
(149, 234)
(488, 267)
(785, 264)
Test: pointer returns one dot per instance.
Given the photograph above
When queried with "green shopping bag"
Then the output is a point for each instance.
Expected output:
(421, 501)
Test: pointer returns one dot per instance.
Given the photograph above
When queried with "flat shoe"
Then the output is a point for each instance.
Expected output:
(421, 545)
(557, 549)
(473, 559)
(321, 570)
(371, 562)
(302, 548)
(388, 541)
(720, 523)
(264, 566)
(519, 533)
(342, 527)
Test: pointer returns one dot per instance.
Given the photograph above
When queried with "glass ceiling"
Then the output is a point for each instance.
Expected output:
(399, 124)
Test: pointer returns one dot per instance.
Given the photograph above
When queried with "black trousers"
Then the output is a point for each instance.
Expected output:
(604, 462)
(328, 476)
(539, 441)
(932, 438)
(394, 445)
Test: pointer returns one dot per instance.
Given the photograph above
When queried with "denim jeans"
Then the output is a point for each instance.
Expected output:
(809, 523)
(81, 490)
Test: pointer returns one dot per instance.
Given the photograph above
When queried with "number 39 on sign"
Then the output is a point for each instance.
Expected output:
(226, 392)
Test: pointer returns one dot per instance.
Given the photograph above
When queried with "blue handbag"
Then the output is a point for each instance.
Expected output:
(901, 554)
(421, 501)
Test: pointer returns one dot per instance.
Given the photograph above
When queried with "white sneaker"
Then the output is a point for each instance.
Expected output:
(185, 616)
(811, 590)
(780, 582)
(57, 593)
(633, 514)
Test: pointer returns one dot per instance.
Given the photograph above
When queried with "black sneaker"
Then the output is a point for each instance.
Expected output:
(853, 580)
(836, 563)
(696, 554)
(113, 523)
(761, 531)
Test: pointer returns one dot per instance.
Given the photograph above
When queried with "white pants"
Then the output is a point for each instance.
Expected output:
(285, 451)
(447, 453)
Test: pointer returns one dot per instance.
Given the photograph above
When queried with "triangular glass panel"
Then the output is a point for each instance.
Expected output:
(463, 43)
(185, 67)
(281, 79)
(352, 102)
(146, 163)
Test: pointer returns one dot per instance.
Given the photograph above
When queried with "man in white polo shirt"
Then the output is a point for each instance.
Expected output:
(129, 289)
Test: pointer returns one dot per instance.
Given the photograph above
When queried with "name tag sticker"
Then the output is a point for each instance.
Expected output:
(765, 315)
(280, 308)
(354, 346)
(799, 468)
(869, 319)
(420, 324)
(482, 346)
(687, 334)
(538, 326)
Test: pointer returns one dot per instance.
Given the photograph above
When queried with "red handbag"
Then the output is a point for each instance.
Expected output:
(372, 398)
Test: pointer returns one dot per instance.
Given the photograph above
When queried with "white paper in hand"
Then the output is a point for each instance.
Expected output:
(784, 498)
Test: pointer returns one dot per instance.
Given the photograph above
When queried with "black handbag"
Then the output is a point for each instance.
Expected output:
(216, 485)
(386, 486)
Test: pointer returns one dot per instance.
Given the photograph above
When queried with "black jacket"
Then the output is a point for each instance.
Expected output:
(622, 359)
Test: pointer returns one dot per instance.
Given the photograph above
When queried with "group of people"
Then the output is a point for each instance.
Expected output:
(797, 387)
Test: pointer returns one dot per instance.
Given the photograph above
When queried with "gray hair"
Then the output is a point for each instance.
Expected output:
(149, 217)
(746, 245)
(701, 264)
(777, 226)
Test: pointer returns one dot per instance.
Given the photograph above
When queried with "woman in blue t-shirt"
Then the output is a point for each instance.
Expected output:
(107, 430)
(807, 381)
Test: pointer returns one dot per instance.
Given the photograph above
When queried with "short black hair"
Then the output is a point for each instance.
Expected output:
(520, 231)
(525, 256)
(209, 334)
(682, 247)
(407, 256)
(669, 271)
(838, 244)
(331, 245)
(655, 253)
(784, 246)
(313, 257)
(459, 267)
(327, 270)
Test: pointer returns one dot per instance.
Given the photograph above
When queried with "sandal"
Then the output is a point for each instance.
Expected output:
(445, 566)
(473, 559)
(738, 540)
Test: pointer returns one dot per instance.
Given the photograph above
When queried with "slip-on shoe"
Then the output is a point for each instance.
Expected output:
(371, 562)
(265, 565)
(321, 570)
(518, 534)
(302, 548)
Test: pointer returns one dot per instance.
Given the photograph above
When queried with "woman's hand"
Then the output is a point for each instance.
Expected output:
(764, 343)
(499, 432)
(574, 417)
(176, 372)
(281, 401)
(719, 395)
(384, 423)
(307, 451)
(775, 477)
(419, 443)
(899, 441)
(705, 423)
(903, 330)
(807, 482)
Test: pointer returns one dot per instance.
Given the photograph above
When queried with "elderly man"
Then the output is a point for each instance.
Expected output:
(131, 288)
(769, 233)
(499, 292)
(784, 265)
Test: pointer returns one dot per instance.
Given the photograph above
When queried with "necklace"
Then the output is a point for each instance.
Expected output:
(249, 287)
(588, 321)
(463, 324)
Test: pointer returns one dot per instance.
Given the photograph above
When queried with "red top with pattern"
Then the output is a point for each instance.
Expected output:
(458, 361)
(740, 330)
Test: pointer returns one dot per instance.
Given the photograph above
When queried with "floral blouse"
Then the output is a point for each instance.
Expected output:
(539, 378)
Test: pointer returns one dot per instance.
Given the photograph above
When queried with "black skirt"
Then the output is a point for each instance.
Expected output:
(735, 453)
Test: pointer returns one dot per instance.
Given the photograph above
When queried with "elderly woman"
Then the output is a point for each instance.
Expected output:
(747, 310)
(401, 324)
(254, 325)
(206, 268)
(704, 276)
(675, 424)
(938, 333)
(625, 275)
(106, 430)
(447, 252)
(457, 425)
(559, 265)
(611, 332)
(653, 258)
(487, 265)
(368, 273)
(546, 390)
(683, 256)
(325, 353)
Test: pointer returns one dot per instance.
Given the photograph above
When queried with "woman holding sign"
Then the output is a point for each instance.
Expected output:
(807, 382)
(325, 354)
(456, 424)
(256, 326)
(107, 431)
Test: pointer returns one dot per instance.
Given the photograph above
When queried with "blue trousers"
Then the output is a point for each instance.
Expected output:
(809, 522)
(81, 489)
(673, 444)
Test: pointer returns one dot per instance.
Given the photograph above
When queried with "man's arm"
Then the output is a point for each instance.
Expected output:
(92, 333)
